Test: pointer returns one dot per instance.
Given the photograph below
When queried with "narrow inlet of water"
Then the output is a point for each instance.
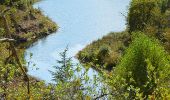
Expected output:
(81, 22)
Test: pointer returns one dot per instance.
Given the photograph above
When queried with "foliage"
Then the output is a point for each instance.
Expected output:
(140, 14)
(148, 15)
(62, 72)
(25, 22)
(105, 53)
(72, 82)
(143, 71)
(13, 83)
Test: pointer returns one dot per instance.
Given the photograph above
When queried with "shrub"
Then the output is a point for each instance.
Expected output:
(149, 14)
(103, 52)
(140, 14)
(143, 71)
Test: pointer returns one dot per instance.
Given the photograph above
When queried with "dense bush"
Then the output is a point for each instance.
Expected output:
(105, 53)
(148, 15)
(140, 14)
(143, 71)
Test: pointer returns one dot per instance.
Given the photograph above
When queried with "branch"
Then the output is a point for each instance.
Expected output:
(7, 40)
(14, 52)
(102, 95)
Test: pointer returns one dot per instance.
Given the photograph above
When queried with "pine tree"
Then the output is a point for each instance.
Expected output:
(62, 71)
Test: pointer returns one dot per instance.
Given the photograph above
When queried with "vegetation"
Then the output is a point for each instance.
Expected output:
(19, 23)
(143, 72)
(26, 23)
(138, 64)
(106, 52)
(148, 16)
(68, 85)
(134, 64)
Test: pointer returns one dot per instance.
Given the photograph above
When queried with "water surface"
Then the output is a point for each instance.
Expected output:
(81, 22)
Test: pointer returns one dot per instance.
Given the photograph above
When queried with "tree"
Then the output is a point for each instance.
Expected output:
(147, 15)
(13, 54)
(62, 73)
(67, 86)
(140, 14)
(143, 71)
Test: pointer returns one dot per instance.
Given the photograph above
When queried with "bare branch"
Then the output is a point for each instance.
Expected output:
(7, 40)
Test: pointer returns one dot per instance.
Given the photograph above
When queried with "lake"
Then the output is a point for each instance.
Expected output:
(80, 22)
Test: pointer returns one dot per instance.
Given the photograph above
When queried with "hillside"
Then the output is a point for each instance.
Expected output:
(132, 65)
(146, 16)
(20, 26)
(25, 22)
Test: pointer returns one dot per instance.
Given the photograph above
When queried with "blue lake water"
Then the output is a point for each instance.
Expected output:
(80, 22)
